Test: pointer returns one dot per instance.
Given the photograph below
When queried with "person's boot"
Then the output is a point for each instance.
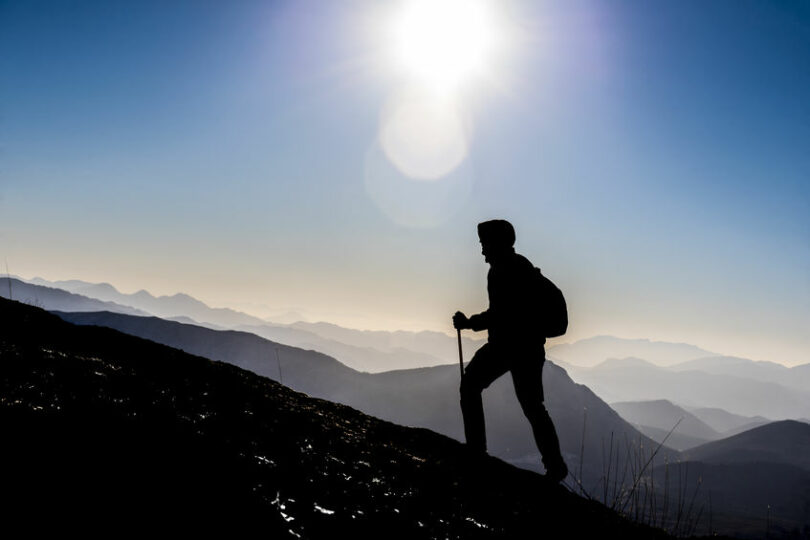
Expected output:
(556, 472)
(474, 453)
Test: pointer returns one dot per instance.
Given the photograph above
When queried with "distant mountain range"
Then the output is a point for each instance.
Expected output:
(797, 377)
(177, 305)
(356, 357)
(592, 351)
(371, 351)
(424, 342)
(634, 379)
(695, 426)
(746, 393)
(58, 299)
(662, 420)
(725, 422)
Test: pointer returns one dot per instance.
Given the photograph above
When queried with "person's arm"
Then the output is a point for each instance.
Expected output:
(476, 322)
(480, 321)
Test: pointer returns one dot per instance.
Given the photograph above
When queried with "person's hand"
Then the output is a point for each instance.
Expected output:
(460, 321)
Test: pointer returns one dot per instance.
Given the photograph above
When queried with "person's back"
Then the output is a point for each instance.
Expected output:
(511, 310)
(514, 345)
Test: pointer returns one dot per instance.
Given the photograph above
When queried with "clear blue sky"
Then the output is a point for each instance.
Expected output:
(654, 158)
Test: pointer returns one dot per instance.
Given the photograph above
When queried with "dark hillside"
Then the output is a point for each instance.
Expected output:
(787, 441)
(747, 500)
(424, 397)
(107, 433)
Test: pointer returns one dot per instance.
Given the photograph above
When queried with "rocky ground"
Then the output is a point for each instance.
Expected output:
(106, 433)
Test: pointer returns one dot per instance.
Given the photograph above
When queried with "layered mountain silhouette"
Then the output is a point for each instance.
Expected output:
(438, 347)
(177, 305)
(377, 351)
(425, 397)
(359, 349)
(756, 483)
(725, 422)
(695, 426)
(435, 344)
(592, 351)
(106, 433)
(797, 377)
(58, 299)
(635, 379)
(786, 442)
(662, 421)
(367, 351)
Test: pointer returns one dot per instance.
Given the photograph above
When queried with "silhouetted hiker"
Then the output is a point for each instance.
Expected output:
(515, 321)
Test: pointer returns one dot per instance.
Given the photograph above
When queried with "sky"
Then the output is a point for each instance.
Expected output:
(285, 156)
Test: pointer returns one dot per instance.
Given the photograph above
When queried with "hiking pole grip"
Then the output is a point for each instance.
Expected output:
(460, 355)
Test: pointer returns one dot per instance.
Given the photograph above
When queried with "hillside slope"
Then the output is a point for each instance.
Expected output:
(659, 418)
(108, 430)
(786, 441)
(426, 397)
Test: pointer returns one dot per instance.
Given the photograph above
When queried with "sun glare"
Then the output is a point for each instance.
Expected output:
(440, 50)
(443, 43)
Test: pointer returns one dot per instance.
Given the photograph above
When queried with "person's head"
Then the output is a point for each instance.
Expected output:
(497, 238)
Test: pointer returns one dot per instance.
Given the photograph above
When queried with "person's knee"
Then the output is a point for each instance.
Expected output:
(535, 410)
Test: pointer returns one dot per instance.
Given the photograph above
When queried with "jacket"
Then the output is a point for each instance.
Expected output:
(511, 316)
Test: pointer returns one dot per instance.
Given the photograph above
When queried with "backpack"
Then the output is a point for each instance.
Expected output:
(552, 312)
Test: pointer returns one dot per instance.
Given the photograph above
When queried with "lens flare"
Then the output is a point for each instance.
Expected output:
(424, 137)
(411, 203)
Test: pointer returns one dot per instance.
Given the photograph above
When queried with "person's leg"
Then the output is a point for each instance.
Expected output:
(486, 366)
(527, 375)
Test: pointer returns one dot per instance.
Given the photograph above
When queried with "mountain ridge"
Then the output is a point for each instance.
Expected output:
(306, 508)
(429, 348)
(297, 466)
(424, 397)
(784, 441)
(797, 377)
(682, 429)
(697, 389)
(591, 351)
(56, 298)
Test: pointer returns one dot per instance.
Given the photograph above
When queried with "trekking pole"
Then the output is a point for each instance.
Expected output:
(278, 361)
(460, 356)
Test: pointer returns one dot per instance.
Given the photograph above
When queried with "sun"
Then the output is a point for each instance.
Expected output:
(444, 44)
(442, 51)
